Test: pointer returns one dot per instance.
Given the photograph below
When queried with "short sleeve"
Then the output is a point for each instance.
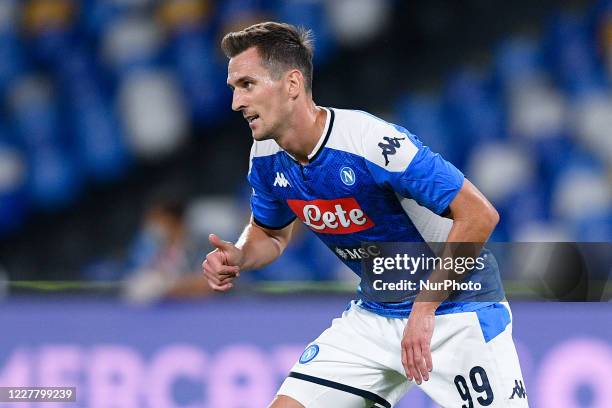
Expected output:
(268, 211)
(398, 160)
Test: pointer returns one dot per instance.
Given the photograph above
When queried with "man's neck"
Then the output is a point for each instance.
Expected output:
(303, 133)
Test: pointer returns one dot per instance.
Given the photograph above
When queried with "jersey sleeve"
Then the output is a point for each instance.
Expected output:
(268, 211)
(398, 160)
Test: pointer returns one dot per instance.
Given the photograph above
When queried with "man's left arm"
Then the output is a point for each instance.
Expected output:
(398, 160)
(474, 219)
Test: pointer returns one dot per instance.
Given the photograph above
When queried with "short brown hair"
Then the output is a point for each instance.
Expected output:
(281, 47)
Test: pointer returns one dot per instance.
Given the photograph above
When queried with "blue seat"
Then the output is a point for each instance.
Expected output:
(424, 116)
(572, 54)
(55, 179)
(517, 58)
(311, 14)
(474, 109)
(202, 75)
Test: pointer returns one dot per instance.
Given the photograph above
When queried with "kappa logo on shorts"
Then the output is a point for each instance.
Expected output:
(518, 390)
(309, 354)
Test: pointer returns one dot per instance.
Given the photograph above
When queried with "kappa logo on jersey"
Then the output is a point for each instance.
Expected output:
(359, 253)
(389, 148)
(339, 216)
(347, 175)
(518, 390)
(281, 181)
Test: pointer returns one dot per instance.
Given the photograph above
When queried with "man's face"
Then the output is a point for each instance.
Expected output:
(260, 98)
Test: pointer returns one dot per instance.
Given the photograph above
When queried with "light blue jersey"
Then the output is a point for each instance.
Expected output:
(367, 181)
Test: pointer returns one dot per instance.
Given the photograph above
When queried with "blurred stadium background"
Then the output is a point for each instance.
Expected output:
(119, 154)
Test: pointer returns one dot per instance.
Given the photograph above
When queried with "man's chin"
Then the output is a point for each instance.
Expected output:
(260, 136)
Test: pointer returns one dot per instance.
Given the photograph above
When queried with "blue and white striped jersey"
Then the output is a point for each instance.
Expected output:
(367, 181)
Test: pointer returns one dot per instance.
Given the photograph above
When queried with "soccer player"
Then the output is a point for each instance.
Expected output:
(353, 178)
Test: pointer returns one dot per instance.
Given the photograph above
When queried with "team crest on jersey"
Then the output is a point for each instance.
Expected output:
(281, 180)
(347, 175)
(309, 354)
(339, 216)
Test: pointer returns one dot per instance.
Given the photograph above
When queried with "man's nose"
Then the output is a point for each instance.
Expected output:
(237, 102)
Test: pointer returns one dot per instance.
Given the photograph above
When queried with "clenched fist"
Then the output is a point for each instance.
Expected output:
(221, 266)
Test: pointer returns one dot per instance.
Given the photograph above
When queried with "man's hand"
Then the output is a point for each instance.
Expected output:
(222, 265)
(416, 352)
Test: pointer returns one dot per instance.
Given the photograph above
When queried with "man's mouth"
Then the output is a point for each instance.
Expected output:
(251, 118)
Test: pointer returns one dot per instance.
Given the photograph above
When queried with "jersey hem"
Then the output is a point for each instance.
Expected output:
(261, 224)
(403, 311)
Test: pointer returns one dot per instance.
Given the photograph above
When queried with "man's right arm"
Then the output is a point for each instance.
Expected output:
(256, 248)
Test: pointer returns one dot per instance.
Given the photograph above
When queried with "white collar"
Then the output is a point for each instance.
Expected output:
(322, 137)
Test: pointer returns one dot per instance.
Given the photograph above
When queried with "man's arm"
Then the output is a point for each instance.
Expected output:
(256, 248)
(261, 246)
(474, 219)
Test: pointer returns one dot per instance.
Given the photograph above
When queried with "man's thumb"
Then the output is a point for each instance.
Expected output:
(219, 243)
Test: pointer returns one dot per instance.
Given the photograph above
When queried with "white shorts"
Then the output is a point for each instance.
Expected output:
(357, 362)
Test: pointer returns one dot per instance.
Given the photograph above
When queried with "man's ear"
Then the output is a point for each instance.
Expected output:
(295, 83)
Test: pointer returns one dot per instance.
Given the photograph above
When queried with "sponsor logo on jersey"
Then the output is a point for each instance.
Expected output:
(341, 253)
(339, 216)
(389, 148)
(280, 180)
(518, 390)
(347, 175)
(358, 253)
(309, 354)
